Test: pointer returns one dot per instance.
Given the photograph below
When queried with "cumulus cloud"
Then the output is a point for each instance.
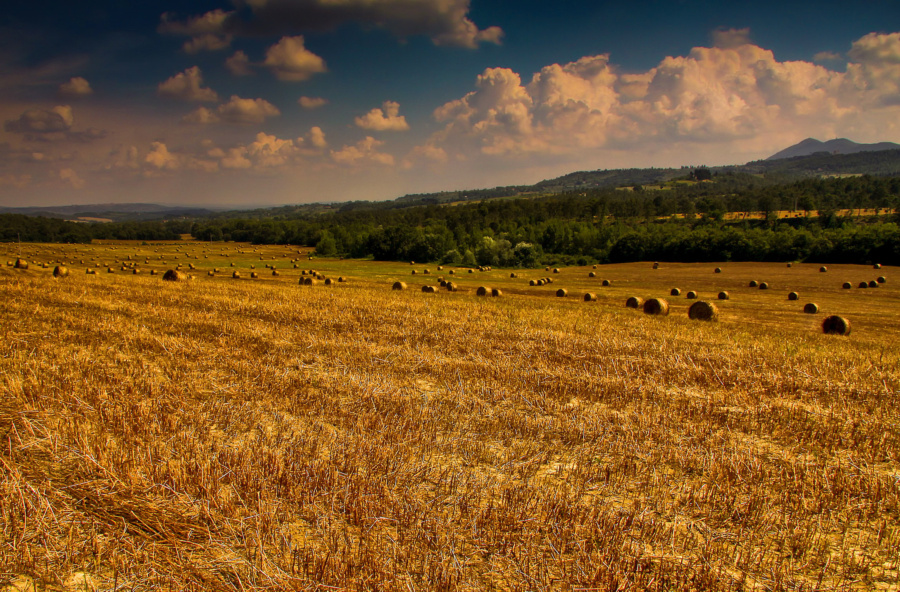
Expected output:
(206, 31)
(387, 118)
(42, 121)
(208, 42)
(239, 64)
(239, 110)
(236, 110)
(72, 178)
(733, 93)
(312, 102)
(76, 87)
(827, 56)
(316, 137)
(290, 60)
(187, 86)
(364, 152)
(160, 158)
(446, 22)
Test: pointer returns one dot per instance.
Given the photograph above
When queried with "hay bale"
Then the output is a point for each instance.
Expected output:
(546, 269)
(718, 270)
(496, 293)
(110, 270)
(863, 284)
(723, 295)
(341, 279)
(236, 274)
(763, 286)
(412, 262)
(399, 286)
(540, 282)
(548, 280)
(592, 274)
(329, 282)
(594, 267)
(691, 295)
(823, 269)
(274, 272)
(211, 273)
(152, 272)
(790, 264)
(881, 279)
(173, 275)
(555, 270)
(135, 271)
(513, 276)
(532, 283)
(426, 271)
(847, 285)
(562, 293)
(605, 283)
(656, 265)
(754, 284)
(835, 325)
(471, 271)
(703, 311)
(60, 271)
(452, 272)
(656, 306)
(590, 297)
(308, 281)
(451, 287)
(440, 268)
(634, 302)
(675, 292)
(873, 284)
(21, 264)
(876, 266)
(414, 272)
(443, 283)
(428, 289)
(793, 296)
(90, 271)
(482, 291)
(253, 275)
(811, 308)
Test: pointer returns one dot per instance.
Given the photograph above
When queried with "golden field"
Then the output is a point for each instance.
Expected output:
(255, 434)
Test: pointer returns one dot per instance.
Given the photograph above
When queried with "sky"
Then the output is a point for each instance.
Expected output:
(254, 103)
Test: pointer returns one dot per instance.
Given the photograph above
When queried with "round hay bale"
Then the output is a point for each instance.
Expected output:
(60, 271)
(274, 272)
(236, 274)
(793, 296)
(451, 287)
(90, 271)
(873, 284)
(548, 280)
(328, 281)
(135, 271)
(210, 273)
(823, 269)
(863, 284)
(590, 297)
(399, 286)
(532, 283)
(718, 270)
(876, 266)
(562, 293)
(414, 272)
(811, 308)
(675, 292)
(482, 291)
(656, 265)
(555, 270)
(634, 302)
(691, 295)
(546, 269)
(152, 272)
(428, 289)
(253, 275)
(594, 267)
(703, 311)
(656, 306)
(303, 272)
(452, 272)
(173, 275)
(881, 279)
(440, 268)
(847, 285)
(443, 283)
(592, 274)
(513, 276)
(110, 270)
(790, 264)
(412, 262)
(835, 325)
(21, 264)
(540, 282)
(763, 286)
(754, 284)
(308, 281)
(723, 295)
(341, 279)
(471, 271)
(496, 293)
(426, 271)
(605, 283)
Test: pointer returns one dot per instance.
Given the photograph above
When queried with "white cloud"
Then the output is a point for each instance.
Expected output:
(730, 38)
(312, 102)
(290, 60)
(364, 152)
(446, 22)
(76, 87)
(201, 115)
(387, 118)
(160, 158)
(239, 64)
(71, 177)
(187, 86)
(316, 137)
(206, 31)
(239, 110)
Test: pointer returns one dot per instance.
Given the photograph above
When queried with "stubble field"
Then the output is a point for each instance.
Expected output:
(255, 434)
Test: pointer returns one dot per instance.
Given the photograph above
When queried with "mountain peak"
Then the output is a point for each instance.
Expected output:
(835, 146)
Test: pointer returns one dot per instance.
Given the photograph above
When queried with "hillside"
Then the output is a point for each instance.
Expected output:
(811, 146)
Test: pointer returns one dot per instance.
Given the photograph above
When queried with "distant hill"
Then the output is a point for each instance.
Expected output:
(811, 146)
(118, 212)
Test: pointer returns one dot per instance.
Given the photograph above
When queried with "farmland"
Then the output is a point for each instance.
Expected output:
(255, 434)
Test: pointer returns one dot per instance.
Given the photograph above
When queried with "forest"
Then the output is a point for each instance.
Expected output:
(686, 219)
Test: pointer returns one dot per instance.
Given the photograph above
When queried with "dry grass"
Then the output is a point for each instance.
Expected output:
(222, 435)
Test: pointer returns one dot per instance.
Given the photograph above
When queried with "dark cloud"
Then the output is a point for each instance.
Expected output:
(42, 121)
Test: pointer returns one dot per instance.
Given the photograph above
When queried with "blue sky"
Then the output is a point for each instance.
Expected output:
(263, 102)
